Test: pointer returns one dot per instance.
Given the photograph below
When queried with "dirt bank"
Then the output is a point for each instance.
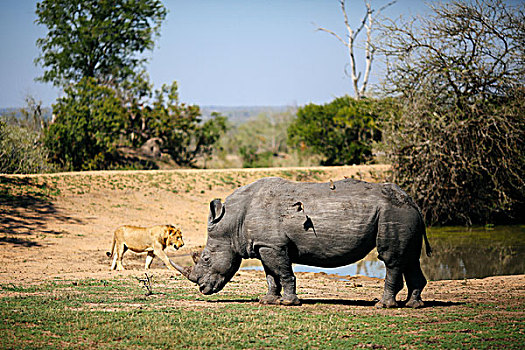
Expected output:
(60, 225)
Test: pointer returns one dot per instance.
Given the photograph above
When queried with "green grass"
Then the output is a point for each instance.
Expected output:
(116, 313)
(25, 189)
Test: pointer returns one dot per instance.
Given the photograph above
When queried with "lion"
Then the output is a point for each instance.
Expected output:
(152, 240)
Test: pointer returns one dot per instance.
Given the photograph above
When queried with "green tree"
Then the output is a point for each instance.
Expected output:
(184, 136)
(457, 145)
(135, 96)
(102, 39)
(342, 131)
(87, 126)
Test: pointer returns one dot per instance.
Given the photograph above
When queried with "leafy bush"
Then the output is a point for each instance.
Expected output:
(88, 122)
(252, 159)
(21, 151)
(92, 120)
(260, 141)
(342, 130)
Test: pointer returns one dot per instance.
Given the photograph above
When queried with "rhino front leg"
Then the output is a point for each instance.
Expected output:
(279, 269)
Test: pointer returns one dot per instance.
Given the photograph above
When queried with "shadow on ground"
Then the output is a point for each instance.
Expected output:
(25, 208)
(346, 302)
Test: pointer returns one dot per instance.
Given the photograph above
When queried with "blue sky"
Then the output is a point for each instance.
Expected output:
(221, 52)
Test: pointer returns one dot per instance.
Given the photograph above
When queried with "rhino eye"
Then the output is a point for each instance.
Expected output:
(206, 258)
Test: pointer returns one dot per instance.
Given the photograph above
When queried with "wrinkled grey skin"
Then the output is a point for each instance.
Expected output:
(282, 222)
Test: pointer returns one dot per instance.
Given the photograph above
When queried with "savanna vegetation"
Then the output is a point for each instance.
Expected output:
(449, 117)
(168, 313)
(457, 141)
(21, 148)
(449, 120)
(57, 290)
(94, 51)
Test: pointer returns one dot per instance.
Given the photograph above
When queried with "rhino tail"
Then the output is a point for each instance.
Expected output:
(428, 248)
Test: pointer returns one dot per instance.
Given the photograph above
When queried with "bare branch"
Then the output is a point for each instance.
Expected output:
(385, 6)
(368, 13)
(367, 22)
(347, 23)
(369, 51)
(334, 34)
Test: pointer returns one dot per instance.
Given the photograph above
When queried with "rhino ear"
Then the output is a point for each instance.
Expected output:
(216, 211)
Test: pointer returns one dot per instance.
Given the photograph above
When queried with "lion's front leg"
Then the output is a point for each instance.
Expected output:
(114, 263)
(162, 255)
(149, 259)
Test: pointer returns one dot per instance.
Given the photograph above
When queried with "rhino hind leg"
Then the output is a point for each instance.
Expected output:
(393, 284)
(274, 289)
(279, 275)
(416, 281)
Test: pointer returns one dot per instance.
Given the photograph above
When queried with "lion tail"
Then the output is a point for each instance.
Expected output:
(110, 254)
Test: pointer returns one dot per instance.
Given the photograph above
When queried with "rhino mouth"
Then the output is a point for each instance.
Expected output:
(206, 289)
(211, 288)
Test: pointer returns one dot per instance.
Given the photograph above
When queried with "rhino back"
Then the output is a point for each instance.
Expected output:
(318, 225)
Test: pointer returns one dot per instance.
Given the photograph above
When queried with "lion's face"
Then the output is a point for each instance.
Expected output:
(174, 237)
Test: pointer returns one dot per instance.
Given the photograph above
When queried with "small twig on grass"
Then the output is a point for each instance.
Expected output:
(146, 283)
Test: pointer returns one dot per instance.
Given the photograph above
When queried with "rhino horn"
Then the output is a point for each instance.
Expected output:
(184, 270)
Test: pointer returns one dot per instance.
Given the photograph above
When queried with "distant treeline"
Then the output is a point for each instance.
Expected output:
(235, 114)
(17, 113)
(241, 114)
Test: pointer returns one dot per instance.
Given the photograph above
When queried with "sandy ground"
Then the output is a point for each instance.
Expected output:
(66, 234)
